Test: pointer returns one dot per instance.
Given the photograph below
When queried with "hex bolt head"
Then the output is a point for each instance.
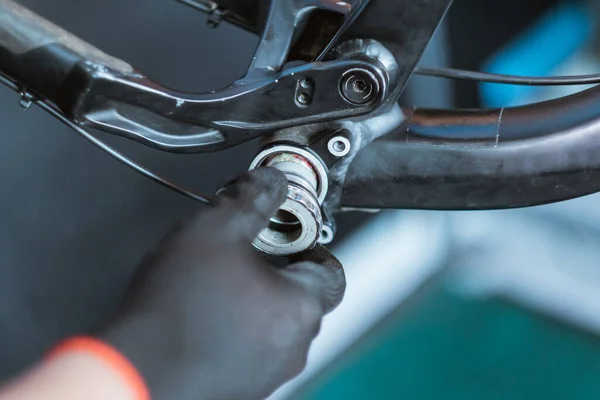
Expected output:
(359, 86)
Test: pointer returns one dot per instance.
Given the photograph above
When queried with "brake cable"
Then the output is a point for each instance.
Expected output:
(453, 73)
(114, 153)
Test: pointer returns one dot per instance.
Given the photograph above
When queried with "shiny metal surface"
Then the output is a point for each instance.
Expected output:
(318, 165)
(297, 226)
(301, 228)
(339, 146)
(405, 27)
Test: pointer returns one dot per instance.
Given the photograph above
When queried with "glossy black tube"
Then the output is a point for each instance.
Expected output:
(40, 55)
(483, 159)
(503, 124)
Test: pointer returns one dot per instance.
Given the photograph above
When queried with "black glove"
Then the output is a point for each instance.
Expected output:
(210, 318)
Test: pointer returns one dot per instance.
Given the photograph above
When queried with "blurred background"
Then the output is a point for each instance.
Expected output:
(478, 305)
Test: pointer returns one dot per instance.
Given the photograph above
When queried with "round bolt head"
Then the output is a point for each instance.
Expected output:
(303, 99)
(339, 146)
(359, 86)
(305, 83)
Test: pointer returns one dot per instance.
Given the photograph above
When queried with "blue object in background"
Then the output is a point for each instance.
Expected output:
(446, 347)
(538, 51)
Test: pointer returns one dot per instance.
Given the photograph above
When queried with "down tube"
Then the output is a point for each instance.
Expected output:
(396, 174)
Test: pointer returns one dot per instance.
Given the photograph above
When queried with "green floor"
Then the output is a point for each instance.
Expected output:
(442, 346)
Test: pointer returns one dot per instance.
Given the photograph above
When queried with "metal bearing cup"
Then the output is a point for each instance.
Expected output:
(298, 223)
(296, 226)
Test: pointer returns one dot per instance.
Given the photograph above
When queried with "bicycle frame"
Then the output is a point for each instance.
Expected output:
(485, 159)
(428, 159)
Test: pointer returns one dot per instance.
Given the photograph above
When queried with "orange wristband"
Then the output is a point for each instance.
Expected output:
(110, 356)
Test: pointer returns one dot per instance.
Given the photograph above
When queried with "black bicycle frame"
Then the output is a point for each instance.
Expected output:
(484, 159)
(437, 159)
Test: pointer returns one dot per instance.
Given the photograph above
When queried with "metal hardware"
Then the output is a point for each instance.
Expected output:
(339, 146)
(26, 100)
(359, 86)
(314, 160)
(298, 224)
(101, 92)
(405, 27)
(305, 91)
(329, 228)
(296, 227)
(327, 235)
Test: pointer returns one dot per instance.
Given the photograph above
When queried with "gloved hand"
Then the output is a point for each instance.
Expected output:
(210, 318)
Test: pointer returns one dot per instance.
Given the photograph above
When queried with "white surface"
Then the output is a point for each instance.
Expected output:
(545, 258)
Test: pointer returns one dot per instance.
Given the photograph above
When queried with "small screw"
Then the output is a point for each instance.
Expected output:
(26, 100)
(339, 146)
(305, 84)
(305, 90)
(304, 99)
(359, 86)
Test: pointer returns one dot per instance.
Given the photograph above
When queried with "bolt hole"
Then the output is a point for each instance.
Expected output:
(339, 146)
(359, 85)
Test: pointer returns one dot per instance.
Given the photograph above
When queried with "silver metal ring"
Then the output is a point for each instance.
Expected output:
(314, 160)
(287, 238)
(326, 234)
(339, 146)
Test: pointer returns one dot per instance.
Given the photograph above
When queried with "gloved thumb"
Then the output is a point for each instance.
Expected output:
(244, 208)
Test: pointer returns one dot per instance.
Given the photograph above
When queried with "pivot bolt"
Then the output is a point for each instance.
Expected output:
(359, 86)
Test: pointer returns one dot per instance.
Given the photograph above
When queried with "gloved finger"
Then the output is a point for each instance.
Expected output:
(244, 208)
(321, 273)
